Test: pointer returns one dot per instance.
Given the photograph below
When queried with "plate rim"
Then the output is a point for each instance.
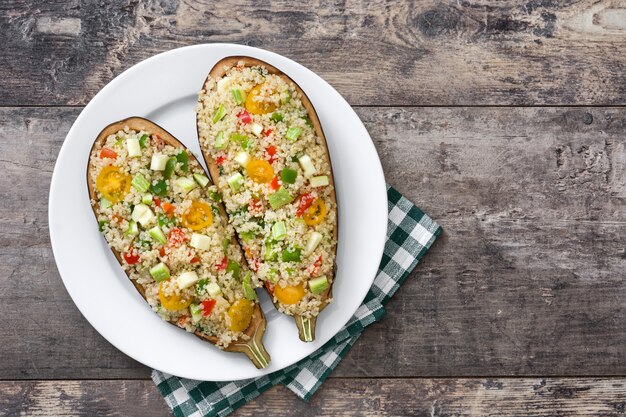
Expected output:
(111, 85)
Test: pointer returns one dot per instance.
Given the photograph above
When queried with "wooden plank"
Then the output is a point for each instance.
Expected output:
(398, 52)
(527, 280)
(337, 397)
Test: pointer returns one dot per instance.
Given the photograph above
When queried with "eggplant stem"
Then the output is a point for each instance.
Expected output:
(306, 328)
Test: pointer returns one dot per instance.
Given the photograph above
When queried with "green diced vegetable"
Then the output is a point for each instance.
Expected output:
(170, 166)
(307, 165)
(201, 285)
(163, 220)
(146, 199)
(318, 285)
(104, 203)
(159, 188)
(144, 243)
(235, 182)
(215, 196)
(157, 234)
(280, 198)
(132, 230)
(160, 272)
(219, 114)
(226, 244)
(158, 162)
(289, 175)
(202, 180)
(101, 224)
(269, 254)
(319, 181)
(307, 121)
(237, 96)
(247, 144)
(186, 184)
(248, 291)
(213, 289)
(132, 145)
(140, 183)
(279, 231)
(314, 239)
(276, 117)
(247, 236)
(143, 141)
(291, 255)
(220, 140)
(183, 159)
(142, 214)
(238, 137)
(233, 267)
(196, 312)
(293, 133)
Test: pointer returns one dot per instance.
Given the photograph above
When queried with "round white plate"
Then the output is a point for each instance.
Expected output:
(163, 89)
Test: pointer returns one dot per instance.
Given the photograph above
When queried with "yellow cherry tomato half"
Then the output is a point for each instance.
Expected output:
(260, 171)
(290, 294)
(174, 301)
(113, 184)
(240, 314)
(255, 103)
(316, 213)
(198, 216)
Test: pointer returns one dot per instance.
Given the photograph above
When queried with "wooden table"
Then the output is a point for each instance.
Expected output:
(503, 120)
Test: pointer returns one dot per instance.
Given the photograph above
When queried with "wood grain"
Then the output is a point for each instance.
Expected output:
(338, 397)
(496, 52)
(528, 278)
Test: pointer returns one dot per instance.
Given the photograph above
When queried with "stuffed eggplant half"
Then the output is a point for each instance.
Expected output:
(163, 220)
(266, 152)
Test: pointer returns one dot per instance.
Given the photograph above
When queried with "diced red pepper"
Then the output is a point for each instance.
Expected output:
(254, 264)
(271, 151)
(207, 306)
(169, 209)
(108, 153)
(274, 184)
(195, 260)
(131, 257)
(314, 269)
(117, 218)
(162, 252)
(244, 117)
(270, 287)
(255, 206)
(222, 265)
(305, 202)
(176, 237)
(220, 160)
(268, 131)
(158, 142)
(182, 320)
(157, 201)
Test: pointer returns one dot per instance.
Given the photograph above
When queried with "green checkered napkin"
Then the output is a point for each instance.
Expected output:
(409, 235)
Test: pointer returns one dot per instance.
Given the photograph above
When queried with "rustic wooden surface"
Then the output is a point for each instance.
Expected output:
(503, 120)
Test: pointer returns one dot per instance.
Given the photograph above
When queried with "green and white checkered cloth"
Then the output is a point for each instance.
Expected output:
(410, 233)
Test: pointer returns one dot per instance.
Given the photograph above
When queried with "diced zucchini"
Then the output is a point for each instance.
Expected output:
(146, 199)
(319, 181)
(280, 198)
(104, 203)
(318, 285)
(257, 128)
(276, 117)
(132, 230)
(140, 183)
(279, 231)
(199, 241)
(248, 291)
(219, 114)
(160, 272)
(223, 84)
(289, 175)
(186, 279)
(159, 188)
(202, 180)
(238, 137)
(307, 165)
(235, 182)
(196, 312)
(158, 162)
(157, 234)
(134, 149)
(293, 133)
(314, 239)
(234, 267)
(220, 140)
(291, 255)
(242, 158)
(142, 214)
(186, 184)
(237, 96)
(269, 254)
(213, 289)
(170, 166)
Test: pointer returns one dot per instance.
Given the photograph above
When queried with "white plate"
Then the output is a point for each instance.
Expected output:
(163, 89)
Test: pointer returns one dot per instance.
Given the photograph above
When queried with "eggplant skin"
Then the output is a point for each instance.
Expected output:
(257, 326)
(217, 72)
